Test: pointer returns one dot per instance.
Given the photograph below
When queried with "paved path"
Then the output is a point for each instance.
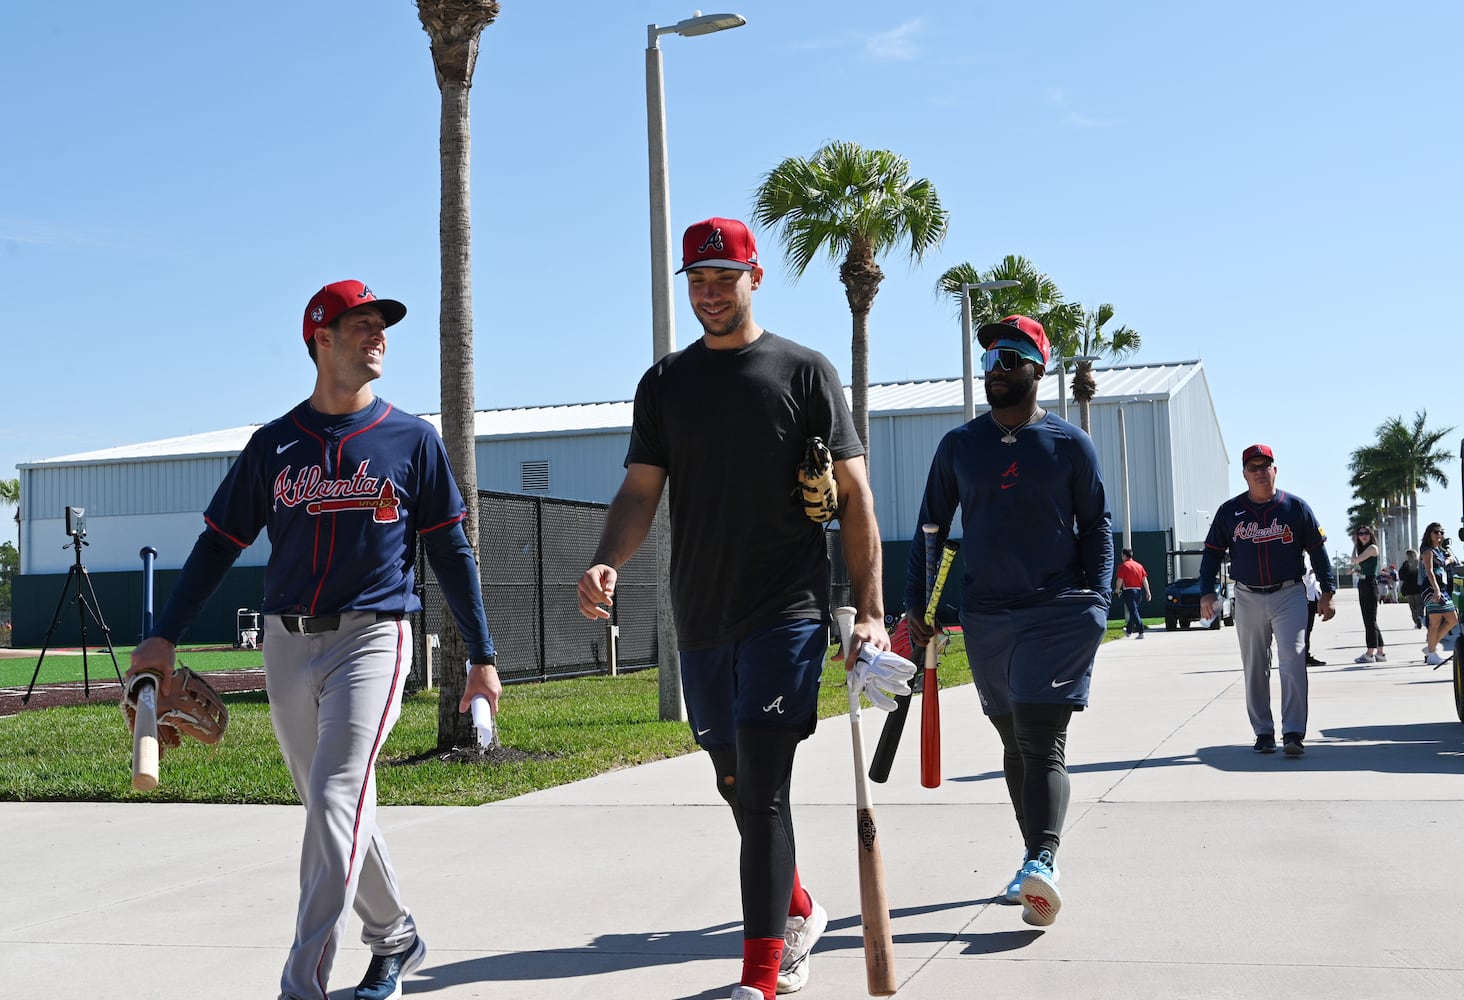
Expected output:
(1192, 867)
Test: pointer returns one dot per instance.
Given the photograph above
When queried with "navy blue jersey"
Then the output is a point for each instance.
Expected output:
(1266, 542)
(1033, 514)
(343, 498)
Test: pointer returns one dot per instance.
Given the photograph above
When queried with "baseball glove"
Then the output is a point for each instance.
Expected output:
(818, 492)
(191, 706)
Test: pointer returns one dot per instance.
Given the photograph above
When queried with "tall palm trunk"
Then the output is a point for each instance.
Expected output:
(861, 277)
(1085, 387)
(454, 27)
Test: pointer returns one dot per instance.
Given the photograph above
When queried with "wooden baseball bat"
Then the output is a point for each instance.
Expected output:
(930, 698)
(143, 692)
(874, 908)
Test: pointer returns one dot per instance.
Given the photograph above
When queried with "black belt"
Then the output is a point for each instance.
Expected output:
(1267, 590)
(313, 624)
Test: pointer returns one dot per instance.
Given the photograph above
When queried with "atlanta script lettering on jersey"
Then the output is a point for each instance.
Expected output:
(322, 495)
(1275, 531)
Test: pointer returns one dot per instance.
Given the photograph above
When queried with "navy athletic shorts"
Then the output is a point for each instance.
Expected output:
(767, 679)
(1039, 655)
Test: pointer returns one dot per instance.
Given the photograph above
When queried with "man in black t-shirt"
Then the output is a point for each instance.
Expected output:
(726, 421)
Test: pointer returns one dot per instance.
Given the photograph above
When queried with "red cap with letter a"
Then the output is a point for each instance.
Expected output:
(1258, 451)
(340, 297)
(718, 243)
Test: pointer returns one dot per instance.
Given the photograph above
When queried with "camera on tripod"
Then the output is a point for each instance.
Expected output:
(76, 522)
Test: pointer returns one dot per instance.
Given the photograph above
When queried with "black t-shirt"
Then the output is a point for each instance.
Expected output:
(730, 427)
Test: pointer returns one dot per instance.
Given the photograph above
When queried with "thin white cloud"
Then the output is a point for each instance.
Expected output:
(51, 234)
(897, 44)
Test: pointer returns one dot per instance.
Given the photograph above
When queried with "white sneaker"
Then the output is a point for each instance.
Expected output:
(799, 936)
(1382, 657)
(1433, 659)
(747, 993)
(1364, 658)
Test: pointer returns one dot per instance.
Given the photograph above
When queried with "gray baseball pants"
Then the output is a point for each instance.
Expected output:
(1260, 618)
(333, 698)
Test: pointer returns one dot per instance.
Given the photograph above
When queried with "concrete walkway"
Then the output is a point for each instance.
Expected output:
(1192, 867)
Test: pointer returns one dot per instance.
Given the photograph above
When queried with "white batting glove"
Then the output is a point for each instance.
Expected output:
(881, 675)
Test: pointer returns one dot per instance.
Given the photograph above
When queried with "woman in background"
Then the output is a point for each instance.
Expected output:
(1365, 557)
(1438, 605)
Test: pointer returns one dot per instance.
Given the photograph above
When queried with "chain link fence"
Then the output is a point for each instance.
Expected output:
(532, 551)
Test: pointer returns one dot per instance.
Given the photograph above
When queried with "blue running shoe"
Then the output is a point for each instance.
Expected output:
(1040, 899)
(383, 979)
(1013, 894)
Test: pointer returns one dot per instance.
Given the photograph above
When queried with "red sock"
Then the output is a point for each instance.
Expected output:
(760, 960)
(801, 903)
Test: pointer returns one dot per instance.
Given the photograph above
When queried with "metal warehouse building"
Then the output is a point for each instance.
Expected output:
(153, 494)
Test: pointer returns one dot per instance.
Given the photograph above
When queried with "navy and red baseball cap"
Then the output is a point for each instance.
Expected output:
(340, 297)
(1021, 331)
(718, 243)
(1258, 451)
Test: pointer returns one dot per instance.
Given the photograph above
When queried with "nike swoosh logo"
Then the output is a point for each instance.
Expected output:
(1058, 684)
(703, 732)
(282, 448)
(1007, 486)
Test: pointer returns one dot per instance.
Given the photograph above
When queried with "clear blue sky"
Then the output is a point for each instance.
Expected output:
(1270, 188)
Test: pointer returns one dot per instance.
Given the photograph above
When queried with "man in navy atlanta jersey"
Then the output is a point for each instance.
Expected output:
(1038, 551)
(1267, 533)
(344, 484)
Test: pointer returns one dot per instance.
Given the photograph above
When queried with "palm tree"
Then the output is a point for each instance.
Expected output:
(10, 497)
(1035, 295)
(454, 27)
(1093, 341)
(856, 204)
(1404, 460)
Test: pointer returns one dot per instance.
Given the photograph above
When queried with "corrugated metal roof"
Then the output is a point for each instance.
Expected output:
(1156, 381)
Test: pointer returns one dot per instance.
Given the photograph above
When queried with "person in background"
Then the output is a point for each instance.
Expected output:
(1313, 592)
(1410, 587)
(1438, 601)
(1270, 535)
(1365, 557)
(1133, 579)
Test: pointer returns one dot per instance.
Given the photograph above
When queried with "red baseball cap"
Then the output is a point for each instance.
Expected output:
(340, 297)
(1258, 451)
(1016, 327)
(718, 243)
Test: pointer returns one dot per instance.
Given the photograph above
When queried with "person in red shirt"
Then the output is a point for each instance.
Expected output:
(1134, 580)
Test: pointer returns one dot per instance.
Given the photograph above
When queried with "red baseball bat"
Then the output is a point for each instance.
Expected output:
(930, 699)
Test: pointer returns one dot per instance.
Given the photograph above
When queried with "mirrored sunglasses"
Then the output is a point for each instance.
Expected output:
(1006, 358)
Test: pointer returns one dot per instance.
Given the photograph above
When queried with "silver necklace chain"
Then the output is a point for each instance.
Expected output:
(1010, 437)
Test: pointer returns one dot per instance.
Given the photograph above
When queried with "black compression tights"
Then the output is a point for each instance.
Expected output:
(1034, 747)
(754, 779)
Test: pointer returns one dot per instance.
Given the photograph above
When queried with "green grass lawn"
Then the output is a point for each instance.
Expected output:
(556, 732)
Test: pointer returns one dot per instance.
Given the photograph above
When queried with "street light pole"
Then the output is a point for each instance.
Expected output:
(663, 324)
(968, 386)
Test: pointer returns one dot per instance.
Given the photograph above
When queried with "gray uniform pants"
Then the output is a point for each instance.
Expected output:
(333, 698)
(1259, 618)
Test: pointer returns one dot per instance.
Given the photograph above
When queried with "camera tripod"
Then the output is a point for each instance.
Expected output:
(77, 575)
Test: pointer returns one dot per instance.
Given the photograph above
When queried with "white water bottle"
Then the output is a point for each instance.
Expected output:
(482, 718)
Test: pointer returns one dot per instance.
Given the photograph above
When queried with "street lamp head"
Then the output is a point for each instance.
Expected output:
(987, 286)
(705, 24)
